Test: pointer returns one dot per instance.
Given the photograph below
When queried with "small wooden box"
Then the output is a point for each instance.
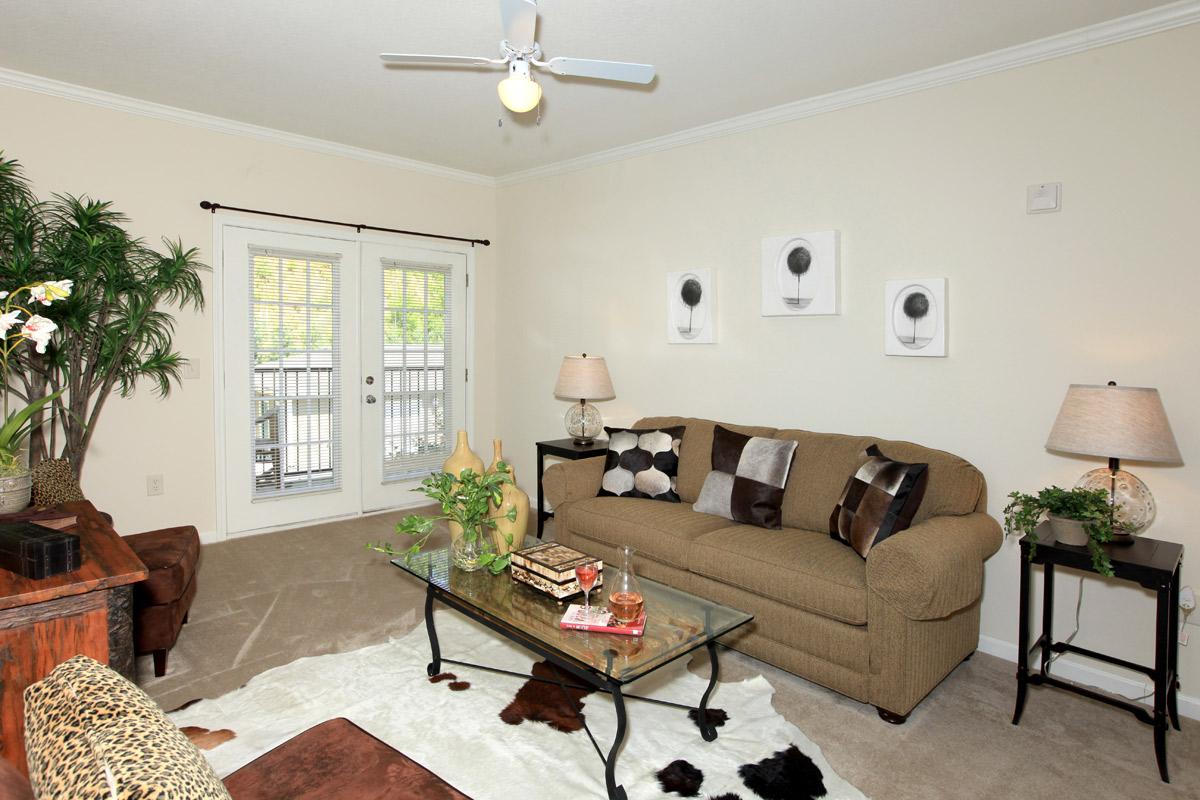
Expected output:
(550, 568)
(37, 552)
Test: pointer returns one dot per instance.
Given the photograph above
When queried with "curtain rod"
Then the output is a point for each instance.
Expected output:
(215, 207)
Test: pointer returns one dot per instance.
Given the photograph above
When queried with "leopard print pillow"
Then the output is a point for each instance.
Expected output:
(92, 735)
(55, 483)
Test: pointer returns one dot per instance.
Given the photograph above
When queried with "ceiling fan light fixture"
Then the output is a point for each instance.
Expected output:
(519, 92)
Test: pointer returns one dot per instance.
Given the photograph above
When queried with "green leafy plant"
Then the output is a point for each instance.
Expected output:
(469, 500)
(1089, 506)
(112, 333)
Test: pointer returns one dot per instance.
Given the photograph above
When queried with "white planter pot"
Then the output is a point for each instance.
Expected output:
(15, 491)
(1069, 531)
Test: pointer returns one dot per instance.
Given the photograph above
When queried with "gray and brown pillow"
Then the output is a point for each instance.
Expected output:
(748, 477)
(880, 499)
(642, 463)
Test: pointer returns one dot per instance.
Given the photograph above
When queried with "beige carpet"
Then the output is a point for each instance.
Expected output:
(267, 600)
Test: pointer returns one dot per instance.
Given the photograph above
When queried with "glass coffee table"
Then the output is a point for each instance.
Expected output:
(677, 623)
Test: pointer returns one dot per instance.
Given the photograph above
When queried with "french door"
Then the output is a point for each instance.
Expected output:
(344, 368)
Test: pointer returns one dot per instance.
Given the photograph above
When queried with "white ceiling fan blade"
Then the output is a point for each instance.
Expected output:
(605, 70)
(519, 18)
(412, 58)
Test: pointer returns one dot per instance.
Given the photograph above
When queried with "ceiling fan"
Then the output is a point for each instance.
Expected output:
(519, 92)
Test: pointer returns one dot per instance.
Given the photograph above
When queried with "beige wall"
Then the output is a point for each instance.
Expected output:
(157, 172)
(926, 185)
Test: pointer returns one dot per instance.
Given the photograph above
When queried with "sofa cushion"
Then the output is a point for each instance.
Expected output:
(170, 555)
(823, 460)
(879, 500)
(337, 760)
(661, 531)
(695, 453)
(805, 569)
(641, 462)
(91, 734)
(748, 477)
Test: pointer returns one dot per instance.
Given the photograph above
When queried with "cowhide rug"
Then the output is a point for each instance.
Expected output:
(495, 736)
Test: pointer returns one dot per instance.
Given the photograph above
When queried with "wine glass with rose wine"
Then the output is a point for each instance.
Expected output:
(586, 575)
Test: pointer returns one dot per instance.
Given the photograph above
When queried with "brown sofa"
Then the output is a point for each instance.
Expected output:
(884, 630)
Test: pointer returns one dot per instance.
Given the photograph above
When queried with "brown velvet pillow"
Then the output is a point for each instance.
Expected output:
(879, 500)
(749, 474)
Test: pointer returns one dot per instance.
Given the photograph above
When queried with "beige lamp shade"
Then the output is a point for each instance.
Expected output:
(1124, 422)
(584, 378)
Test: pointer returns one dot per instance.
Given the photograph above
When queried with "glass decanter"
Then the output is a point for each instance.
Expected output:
(625, 599)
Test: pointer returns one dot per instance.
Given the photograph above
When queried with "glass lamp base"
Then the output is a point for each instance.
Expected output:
(1133, 505)
(583, 423)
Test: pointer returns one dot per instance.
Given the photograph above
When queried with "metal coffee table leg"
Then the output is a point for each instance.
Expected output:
(615, 792)
(709, 732)
(435, 666)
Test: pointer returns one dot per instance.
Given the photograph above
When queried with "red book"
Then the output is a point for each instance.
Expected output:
(600, 621)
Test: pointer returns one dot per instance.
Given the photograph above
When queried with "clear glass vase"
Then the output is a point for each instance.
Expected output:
(466, 551)
(625, 599)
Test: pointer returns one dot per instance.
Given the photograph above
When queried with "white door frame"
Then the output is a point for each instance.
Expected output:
(234, 220)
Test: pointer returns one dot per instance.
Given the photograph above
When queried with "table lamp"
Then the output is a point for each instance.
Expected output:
(584, 378)
(1116, 422)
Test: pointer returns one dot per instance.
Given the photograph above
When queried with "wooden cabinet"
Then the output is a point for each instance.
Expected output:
(43, 623)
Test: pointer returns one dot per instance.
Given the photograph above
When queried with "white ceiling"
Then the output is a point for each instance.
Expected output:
(312, 67)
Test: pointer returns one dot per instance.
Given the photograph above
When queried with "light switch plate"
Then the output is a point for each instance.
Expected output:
(1043, 198)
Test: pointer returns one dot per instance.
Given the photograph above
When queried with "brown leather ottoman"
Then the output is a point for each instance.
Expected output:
(337, 760)
(161, 602)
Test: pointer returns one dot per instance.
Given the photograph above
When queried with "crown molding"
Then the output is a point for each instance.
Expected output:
(1164, 18)
(1156, 20)
(195, 119)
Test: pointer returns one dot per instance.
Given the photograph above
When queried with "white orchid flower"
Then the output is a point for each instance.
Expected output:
(7, 321)
(39, 329)
(49, 291)
(3, 295)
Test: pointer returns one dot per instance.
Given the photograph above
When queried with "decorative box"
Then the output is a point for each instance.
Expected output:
(37, 552)
(550, 568)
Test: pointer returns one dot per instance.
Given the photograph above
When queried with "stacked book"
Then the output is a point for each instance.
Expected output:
(550, 568)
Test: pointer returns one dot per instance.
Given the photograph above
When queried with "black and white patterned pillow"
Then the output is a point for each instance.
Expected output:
(642, 463)
(749, 474)
(880, 500)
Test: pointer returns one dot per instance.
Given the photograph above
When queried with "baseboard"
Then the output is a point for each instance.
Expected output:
(211, 537)
(1189, 706)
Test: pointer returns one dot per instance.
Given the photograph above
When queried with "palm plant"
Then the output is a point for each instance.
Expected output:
(112, 334)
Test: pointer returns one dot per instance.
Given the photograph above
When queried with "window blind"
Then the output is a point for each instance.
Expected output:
(417, 366)
(295, 372)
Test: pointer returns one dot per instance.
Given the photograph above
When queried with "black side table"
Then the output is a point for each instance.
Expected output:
(1150, 563)
(563, 448)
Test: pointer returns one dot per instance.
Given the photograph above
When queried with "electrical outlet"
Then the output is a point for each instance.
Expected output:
(1187, 599)
(154, 485)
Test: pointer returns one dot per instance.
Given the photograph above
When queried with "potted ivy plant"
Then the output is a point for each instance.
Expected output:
(469, 500)
(1079, 517)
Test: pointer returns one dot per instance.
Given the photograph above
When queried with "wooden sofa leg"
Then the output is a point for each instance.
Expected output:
(891, 717)
(968, 658)
(185, 618)
(160, 664)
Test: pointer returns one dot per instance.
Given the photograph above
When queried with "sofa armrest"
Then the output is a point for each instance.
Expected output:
(572, 480)
(935, 568)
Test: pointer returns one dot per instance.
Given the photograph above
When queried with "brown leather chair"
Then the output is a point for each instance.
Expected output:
(161, 602)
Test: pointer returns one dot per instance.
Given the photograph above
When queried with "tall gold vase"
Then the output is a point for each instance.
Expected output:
(462, 458)
(511, 497)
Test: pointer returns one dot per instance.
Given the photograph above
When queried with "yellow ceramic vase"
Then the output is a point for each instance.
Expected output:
(511, 497)
(462, 458)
